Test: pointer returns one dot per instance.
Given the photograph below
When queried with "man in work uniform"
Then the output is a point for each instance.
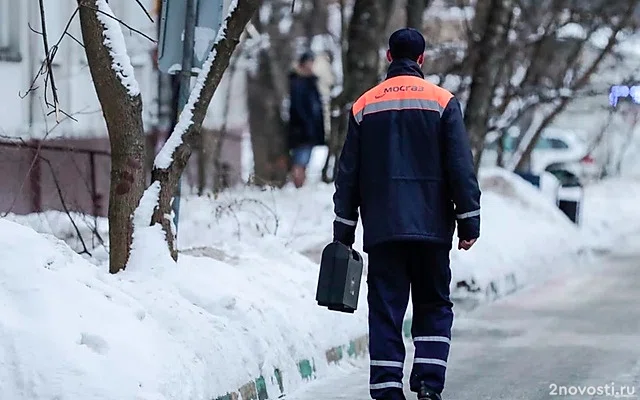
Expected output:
(407, 165)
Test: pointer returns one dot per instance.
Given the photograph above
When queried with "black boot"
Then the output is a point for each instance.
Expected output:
(426, 393)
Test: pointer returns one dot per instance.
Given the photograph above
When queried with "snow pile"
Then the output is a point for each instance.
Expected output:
(522, 229)
(302, 219)
(195, 330)
(611, 214)
(521, 226)
(524, 237)
(78, 231)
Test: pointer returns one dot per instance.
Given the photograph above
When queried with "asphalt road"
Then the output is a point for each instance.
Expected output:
(575, 334)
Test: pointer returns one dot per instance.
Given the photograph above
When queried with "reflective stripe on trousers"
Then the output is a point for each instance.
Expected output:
(385, 375)
(395, 269)
(431, 350)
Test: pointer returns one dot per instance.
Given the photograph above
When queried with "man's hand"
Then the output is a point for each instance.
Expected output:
(466, 244)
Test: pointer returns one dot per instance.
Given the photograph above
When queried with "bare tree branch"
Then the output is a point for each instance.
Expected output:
(75, 39)
(144, 35)
(54, 176)
(48, 57)
(519, 156)
(45, 67)
(146, 12)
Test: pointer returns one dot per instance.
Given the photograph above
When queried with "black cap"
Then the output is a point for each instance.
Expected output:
(306, 56)
(406, 43)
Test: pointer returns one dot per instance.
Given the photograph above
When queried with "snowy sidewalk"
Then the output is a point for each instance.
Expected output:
(522, 346)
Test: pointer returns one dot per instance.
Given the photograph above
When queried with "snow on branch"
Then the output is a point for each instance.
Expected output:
(165, 155)
(148, 202)
(114, 40)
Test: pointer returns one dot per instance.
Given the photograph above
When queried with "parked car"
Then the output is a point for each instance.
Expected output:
(557, 151)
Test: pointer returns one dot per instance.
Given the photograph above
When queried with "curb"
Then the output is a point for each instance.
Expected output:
(257, 389)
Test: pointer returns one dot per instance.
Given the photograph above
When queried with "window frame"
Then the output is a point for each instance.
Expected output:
(10, 25)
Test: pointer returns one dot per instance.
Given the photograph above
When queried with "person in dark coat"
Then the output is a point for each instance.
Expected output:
(306, 120)
(407, 168)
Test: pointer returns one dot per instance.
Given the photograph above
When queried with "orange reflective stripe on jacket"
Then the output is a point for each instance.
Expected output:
(401, 93)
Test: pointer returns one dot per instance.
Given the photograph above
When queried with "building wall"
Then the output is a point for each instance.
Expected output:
(59, 174)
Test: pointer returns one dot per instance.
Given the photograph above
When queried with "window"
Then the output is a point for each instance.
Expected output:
(9, 30)
(558, 144)
(551, 143)
(4, 24)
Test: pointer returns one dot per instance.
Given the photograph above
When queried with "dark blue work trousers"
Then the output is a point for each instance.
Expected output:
(397, 269)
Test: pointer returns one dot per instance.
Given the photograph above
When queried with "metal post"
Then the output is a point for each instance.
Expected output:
(185, 84)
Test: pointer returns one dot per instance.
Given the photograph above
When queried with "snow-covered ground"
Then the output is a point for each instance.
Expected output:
(240, 302)
(518, 222)
(612, 214)
(193, 331)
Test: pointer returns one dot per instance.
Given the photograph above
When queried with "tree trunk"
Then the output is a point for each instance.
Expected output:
(168, 176)
(484, 75)
(361, 66)
(415, 10)
(316, 18)
(266, 126)
(221, 177)
(123, 116)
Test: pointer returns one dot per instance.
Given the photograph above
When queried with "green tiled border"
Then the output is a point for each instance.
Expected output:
(257, 388)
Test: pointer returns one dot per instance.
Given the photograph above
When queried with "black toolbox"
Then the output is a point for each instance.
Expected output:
(340, 276)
